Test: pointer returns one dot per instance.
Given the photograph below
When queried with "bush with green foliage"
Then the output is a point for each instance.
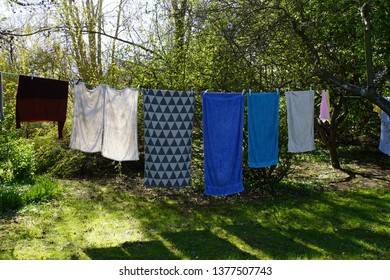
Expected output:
(54, 157)
(17, 162)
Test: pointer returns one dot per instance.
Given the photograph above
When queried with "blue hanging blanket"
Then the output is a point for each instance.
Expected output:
(168, 122)
(223, 118)
(263, 112)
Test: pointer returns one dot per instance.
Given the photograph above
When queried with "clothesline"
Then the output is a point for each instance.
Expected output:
(32, 74)
(77, 81)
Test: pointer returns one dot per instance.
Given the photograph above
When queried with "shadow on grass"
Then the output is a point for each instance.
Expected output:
(318, 225)
(269, 244)
(131, 251)
(364, 155)
(206, 245)
(352, 174)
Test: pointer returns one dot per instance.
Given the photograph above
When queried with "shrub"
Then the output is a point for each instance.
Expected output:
(54, 157)
(17, 162)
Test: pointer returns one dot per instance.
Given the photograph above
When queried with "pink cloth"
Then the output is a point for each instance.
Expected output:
(324, 107)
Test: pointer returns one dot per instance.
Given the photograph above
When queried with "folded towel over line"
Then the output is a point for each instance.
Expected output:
(300, 121)
(168, 123)
(223, 118)
(263, 112)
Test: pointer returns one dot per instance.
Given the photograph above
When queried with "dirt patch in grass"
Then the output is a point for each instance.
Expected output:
(350, 176)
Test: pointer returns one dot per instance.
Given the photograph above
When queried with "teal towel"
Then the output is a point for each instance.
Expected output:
(223, 118)
(263, 115)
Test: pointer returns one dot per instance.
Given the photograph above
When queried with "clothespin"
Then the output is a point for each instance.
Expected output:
(205, 91)
(78, 80)
(243, 91)
(32, 74)
(277, 90)
(250, 91)
(140, 90)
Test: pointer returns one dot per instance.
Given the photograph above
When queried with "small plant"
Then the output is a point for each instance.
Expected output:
(43, 189)
(14, 197)
(10, 198)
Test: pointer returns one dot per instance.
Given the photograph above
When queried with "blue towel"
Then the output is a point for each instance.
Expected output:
(223, 118)
(263, 112)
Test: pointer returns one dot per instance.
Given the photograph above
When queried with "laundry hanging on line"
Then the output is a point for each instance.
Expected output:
(105, 120)
(1, 98)
(168, 123)
(162, 174)
(223, 121)
(120, 141)
(384, 141)
(87, 122)
(300, 121)
(324, 106)
(40, 100)
(263, 113)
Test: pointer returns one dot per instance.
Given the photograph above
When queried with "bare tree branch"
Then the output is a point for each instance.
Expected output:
(123, 41)
(62, 28)
(12, 33)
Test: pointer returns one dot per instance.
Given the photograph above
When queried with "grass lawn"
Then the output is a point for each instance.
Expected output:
(314, 213)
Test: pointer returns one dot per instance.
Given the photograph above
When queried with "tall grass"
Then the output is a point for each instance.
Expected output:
(16, 196)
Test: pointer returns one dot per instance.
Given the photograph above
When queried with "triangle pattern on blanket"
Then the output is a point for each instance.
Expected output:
(168, 121)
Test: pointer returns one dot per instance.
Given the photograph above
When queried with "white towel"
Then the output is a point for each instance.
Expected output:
(87, 124)
(300, 121)
(384, 143)
(120, 124)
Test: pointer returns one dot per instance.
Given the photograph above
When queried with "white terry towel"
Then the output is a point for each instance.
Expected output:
(300, 121)
(384, 143)
(87, 123)
(120, 124)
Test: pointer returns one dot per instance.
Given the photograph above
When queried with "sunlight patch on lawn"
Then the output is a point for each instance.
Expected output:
(239, 243)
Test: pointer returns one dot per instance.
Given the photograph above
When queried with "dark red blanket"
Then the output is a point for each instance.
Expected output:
(40, 99)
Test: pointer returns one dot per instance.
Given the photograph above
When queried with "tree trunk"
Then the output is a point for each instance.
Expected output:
(328, 136)
(332, 147)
